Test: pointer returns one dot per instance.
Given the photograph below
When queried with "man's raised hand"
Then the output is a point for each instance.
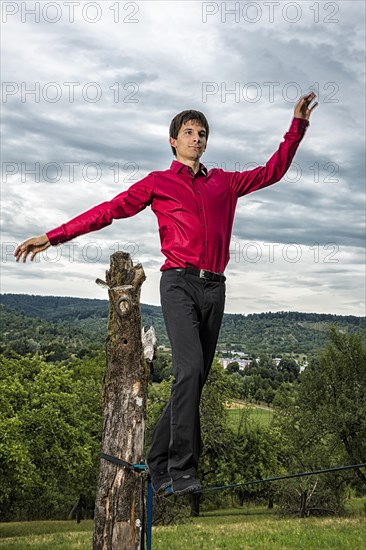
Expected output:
(302, 106)
(31, 246)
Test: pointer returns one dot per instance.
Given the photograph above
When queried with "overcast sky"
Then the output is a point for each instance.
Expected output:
(89, 90)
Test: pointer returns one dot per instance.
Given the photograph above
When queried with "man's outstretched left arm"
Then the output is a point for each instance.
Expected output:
(248, 181)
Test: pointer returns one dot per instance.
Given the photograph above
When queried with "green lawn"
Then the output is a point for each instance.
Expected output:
(46, 535)
(231, 531)
(260, 415)
(249, 528)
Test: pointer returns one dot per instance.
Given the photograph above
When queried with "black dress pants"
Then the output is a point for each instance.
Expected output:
(192, 310)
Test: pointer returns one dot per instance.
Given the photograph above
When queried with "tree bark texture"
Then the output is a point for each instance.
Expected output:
(119, 507)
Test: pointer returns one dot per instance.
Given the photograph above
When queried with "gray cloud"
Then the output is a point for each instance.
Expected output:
(169, 54)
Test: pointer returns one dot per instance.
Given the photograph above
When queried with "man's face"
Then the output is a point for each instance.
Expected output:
(191, 141)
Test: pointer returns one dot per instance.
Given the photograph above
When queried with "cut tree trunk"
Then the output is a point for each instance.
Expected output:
(119, 507)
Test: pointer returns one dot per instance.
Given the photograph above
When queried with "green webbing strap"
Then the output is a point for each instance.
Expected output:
(279, 478)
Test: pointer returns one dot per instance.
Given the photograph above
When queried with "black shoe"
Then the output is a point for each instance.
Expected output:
(185, 484)
(159, 480)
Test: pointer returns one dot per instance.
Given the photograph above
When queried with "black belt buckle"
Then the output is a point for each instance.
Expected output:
(205, 275)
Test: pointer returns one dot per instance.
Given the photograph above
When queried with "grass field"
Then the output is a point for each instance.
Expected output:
(260, 415)
(249, 528)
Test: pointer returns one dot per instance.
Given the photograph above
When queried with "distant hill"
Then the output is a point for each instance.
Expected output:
(68, 325)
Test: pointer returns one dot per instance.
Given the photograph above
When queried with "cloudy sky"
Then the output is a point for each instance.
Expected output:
(89, 90)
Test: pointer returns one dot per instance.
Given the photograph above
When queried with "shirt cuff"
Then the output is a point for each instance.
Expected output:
(56, 236)
(298, 125)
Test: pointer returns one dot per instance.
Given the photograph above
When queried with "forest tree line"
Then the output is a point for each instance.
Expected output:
(51, 419)
(64, 325)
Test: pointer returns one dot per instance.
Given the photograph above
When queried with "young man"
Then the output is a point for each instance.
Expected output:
(195, 210)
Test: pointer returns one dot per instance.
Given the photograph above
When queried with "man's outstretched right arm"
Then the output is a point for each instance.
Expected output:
(126, 204)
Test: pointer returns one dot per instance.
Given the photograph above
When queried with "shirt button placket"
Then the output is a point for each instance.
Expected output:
(202, 218)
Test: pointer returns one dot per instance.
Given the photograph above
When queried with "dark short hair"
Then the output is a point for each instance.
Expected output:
(183, 117)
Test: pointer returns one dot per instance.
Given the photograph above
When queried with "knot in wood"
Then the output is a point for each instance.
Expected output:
(124, 306)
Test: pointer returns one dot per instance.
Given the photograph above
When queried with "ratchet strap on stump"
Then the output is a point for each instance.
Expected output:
(120, 462)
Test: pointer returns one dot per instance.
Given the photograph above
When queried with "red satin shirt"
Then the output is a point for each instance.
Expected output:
(195, 212)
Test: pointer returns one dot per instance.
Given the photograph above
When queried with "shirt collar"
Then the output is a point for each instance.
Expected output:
(177, 166)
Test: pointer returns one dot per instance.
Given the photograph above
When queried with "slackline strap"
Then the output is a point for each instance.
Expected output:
(120, 462)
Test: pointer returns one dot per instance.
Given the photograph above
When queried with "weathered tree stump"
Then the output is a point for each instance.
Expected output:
(119, 507)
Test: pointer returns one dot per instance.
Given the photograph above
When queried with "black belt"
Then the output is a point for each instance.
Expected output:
(203, 274)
